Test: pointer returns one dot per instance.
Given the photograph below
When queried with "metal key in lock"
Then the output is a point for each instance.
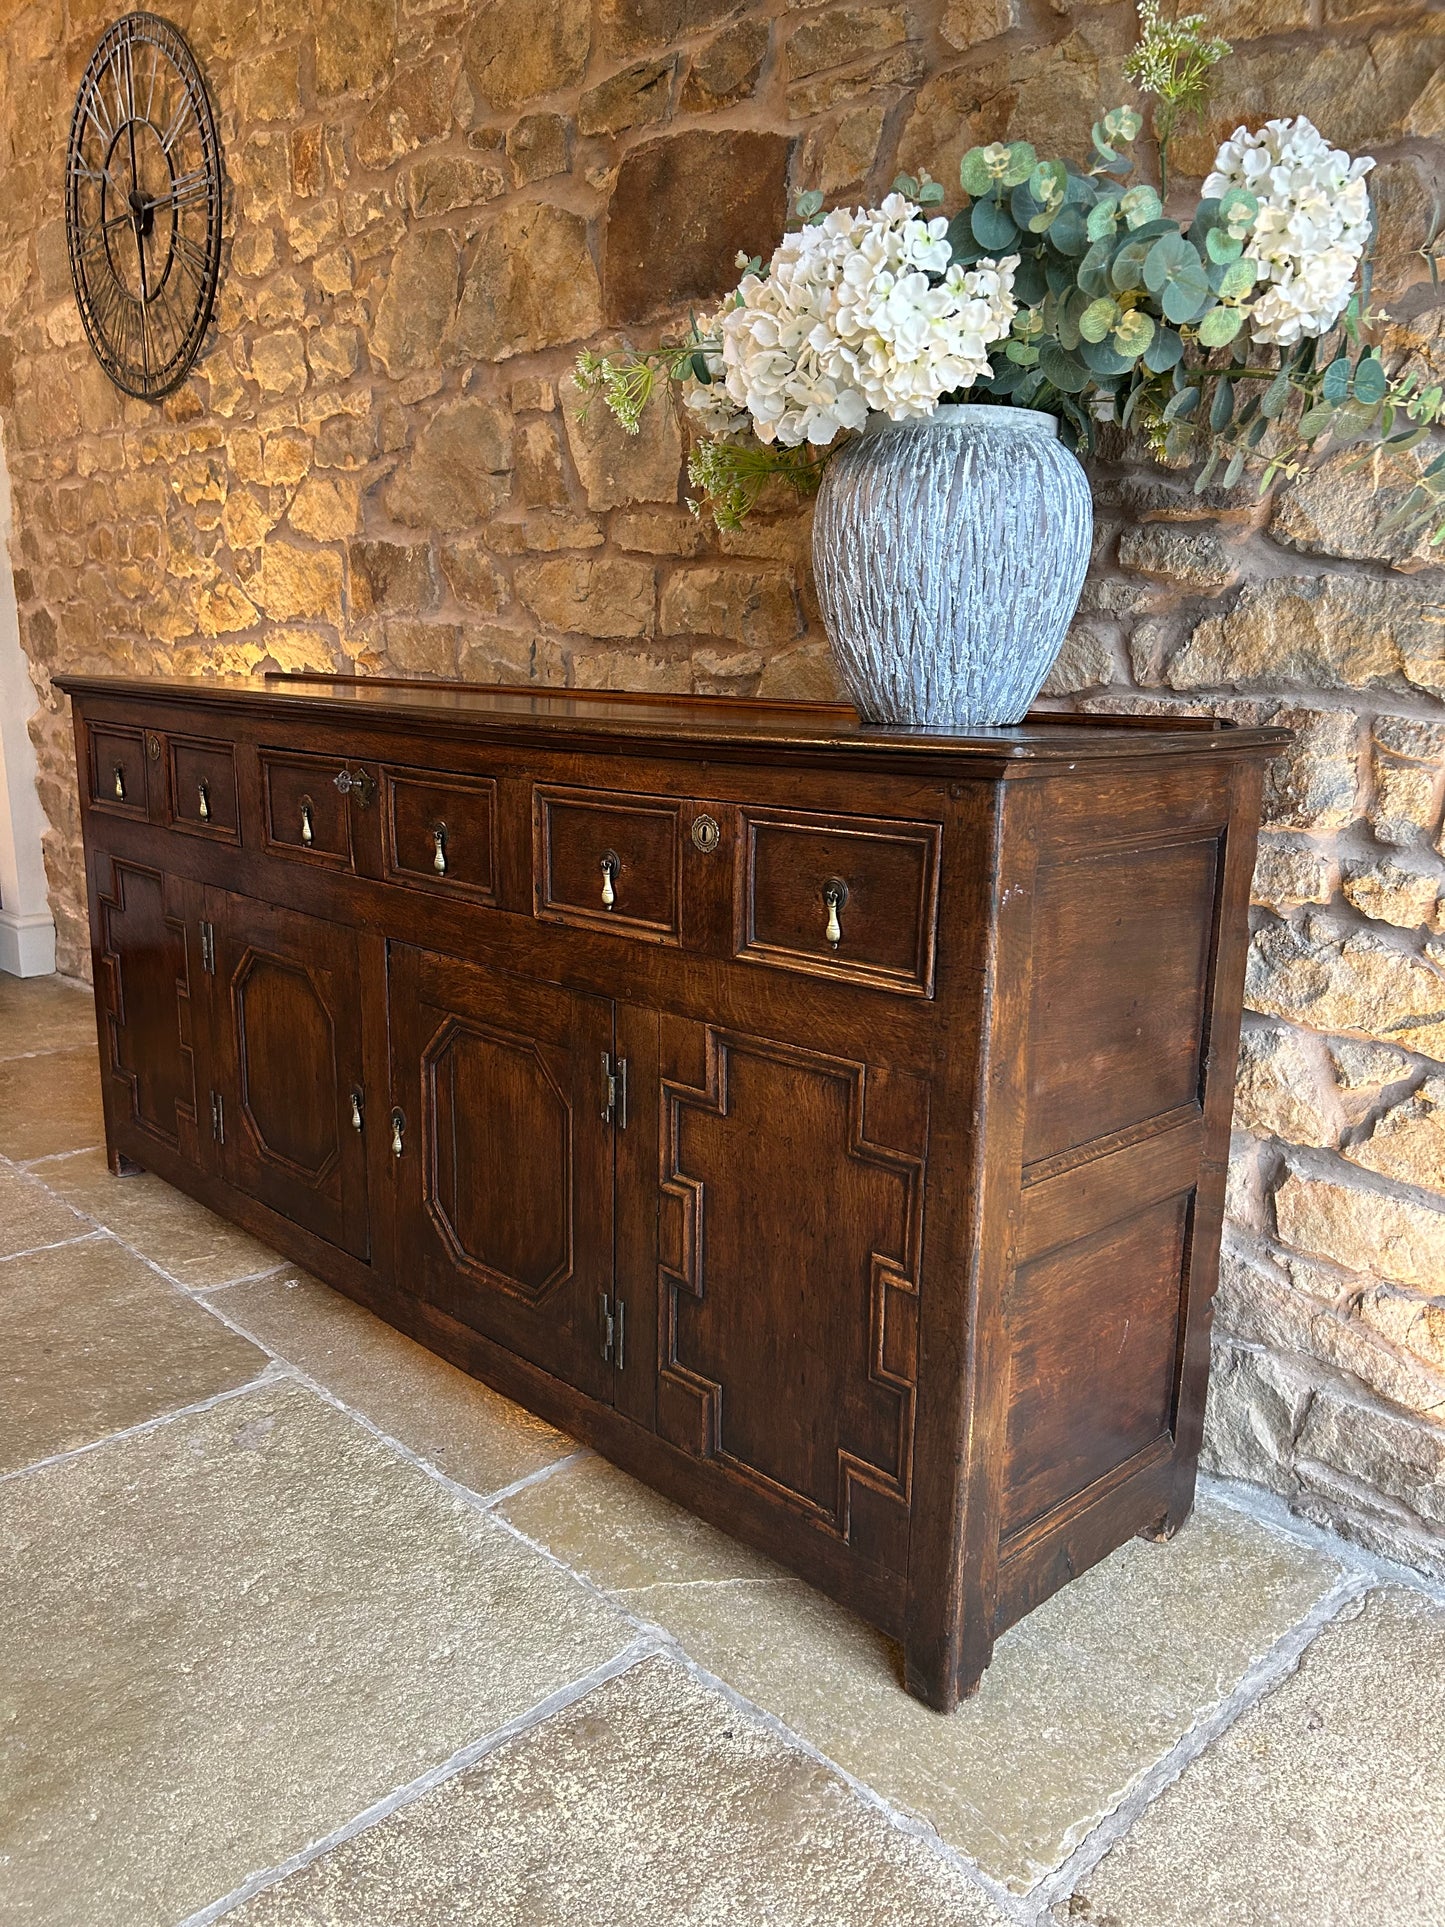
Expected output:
(398, 1131)
(835, 895)
(358, 1121)
(610, 868)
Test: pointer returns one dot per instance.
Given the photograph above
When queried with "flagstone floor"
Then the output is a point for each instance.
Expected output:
(300, 1627)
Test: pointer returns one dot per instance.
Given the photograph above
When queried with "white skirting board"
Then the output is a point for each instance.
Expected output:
(27, 945)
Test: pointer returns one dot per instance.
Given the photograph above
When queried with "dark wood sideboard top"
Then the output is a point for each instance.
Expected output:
(718, 725)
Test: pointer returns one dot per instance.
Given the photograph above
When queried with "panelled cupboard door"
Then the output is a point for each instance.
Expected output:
(144, 972)
(789, 1247)
(505, 1175)
(292, 1108)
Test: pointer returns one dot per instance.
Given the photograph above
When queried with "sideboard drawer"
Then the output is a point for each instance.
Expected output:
(202, 796)
(306, 815)
(118, 768)
(441, 831)
(609, 862)
(840, 896)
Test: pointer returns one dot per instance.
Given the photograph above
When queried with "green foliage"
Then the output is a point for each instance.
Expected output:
(730, 476)
(1124, 313)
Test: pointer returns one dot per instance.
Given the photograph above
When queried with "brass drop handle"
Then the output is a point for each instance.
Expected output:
(119, 784)
(203, 791)
(439, 849)
(835, 895)
(398, 1128)
(357, 1121)
(308, 835)
(610, 867)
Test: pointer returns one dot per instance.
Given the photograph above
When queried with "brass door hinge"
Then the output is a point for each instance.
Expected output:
(614, 1091)
(614, 1330)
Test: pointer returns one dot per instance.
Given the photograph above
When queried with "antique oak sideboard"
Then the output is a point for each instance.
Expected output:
(826, 1123)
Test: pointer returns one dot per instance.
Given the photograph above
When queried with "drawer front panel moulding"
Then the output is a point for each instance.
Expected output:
(829, 1126)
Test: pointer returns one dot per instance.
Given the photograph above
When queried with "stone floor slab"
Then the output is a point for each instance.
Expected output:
(92, 1341)
(650, 1803)
(626, 1537)
(1325, 1803)
(466, 1430)
(50, 1103)
(44, 1013)
(227, 1636)
(1081, 1699)
(188, 1242)
(30, 1217)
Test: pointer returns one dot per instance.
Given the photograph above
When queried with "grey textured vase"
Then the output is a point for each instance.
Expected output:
(949, 555)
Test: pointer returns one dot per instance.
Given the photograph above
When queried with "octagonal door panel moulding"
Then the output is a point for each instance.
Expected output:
(505, 1179)
(292, 1121)
(288, 1060)
(498, 1131)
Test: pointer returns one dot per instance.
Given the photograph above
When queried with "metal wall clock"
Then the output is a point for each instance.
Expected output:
(143, 205)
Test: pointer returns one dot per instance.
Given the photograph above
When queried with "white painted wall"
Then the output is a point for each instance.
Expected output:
(27, 934)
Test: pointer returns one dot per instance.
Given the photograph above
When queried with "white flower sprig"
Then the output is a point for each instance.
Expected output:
(1312, 228)
(860, 312)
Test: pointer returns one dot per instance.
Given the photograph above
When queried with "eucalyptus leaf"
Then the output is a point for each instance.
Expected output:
(1123, 123)
(1221, 247)
(1168, 258)
(1372, 384)
(1048, 183)
(1206, 474)
(974, 173)
(1181, 406)
(1186, 295)
(1235, 469)
(962, 246)
(1098, 319)
(1163, 351)
(993, 227)
(1068, 233)
(1237, 280)
(1179, 441)
(1023, 206)
(1126, 270)
(1104, 218)
(1023, 352)
(1236, 205)
(1221, 409)
(1134, 333)
(1140, 205)
(1030, 284)
(811, 200)
(1062, 370)
(1277, 394)
(1219, 327)
(1335, 384)
(1102, 358)
(1021, 162)
(1258, 431)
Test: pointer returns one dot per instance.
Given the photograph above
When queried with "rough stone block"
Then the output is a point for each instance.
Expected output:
(631, 26)
(1408, 1142)
(618, 469)
(744, 605)
(456, 475)
(531, 285)
(683, 208)
(1320, 632)
(726, 70)
(509, 64)
(612, 597)
(1334, 980)
(1285, 1088)
(538, 145)
(635, 97)
(1363, 1230)
(1390, 894)
(418, 302)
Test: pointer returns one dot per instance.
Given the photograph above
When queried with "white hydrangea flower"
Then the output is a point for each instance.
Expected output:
(1312, 228)
(718, 414)
(859, 312)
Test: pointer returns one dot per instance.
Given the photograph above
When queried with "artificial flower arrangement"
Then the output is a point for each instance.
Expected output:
(1238, 336)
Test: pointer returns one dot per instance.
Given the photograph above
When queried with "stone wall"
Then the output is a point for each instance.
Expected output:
(380, 464)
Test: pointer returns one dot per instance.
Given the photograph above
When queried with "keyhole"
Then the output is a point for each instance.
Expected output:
(119, 784)
(204, 806)
(610, 867)
(439, 849)
(307, 834)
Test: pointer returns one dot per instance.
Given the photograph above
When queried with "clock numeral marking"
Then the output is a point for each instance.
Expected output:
(179, 119)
